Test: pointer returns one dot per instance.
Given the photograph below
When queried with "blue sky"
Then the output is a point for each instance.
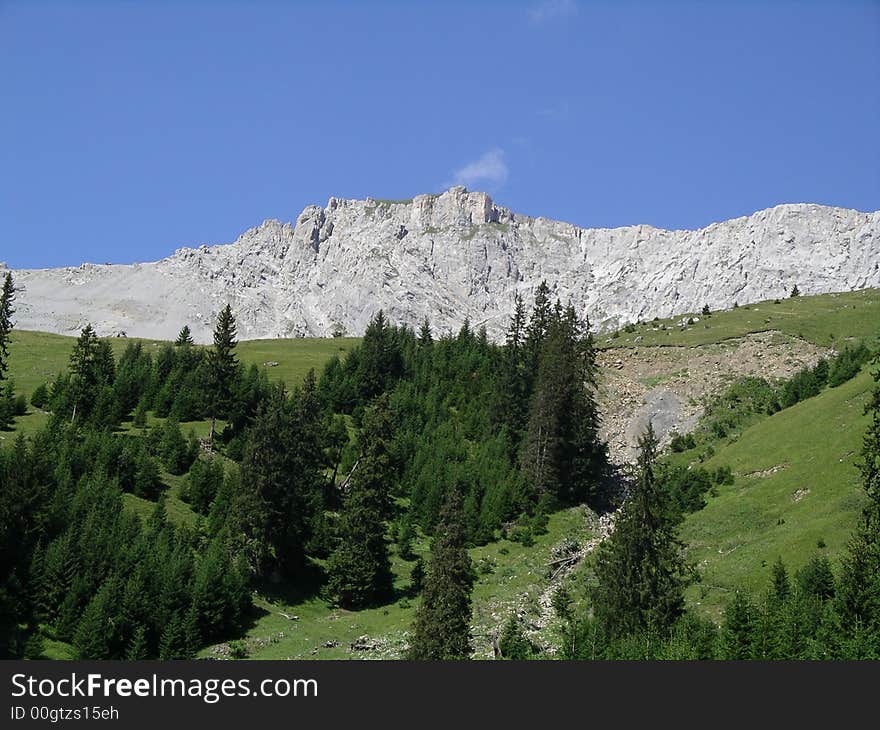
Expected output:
(128, 129)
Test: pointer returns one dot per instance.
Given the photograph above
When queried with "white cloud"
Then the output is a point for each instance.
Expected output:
(547, 10)
(488, 171)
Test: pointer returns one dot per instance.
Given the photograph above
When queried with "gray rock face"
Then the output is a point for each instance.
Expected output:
(452, 256)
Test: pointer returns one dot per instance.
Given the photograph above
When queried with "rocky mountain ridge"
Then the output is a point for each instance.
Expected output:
(452, 256)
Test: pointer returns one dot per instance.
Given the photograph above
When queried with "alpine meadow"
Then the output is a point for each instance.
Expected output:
(437, 497)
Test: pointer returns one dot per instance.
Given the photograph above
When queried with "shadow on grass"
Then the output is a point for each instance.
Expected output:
(294, 589)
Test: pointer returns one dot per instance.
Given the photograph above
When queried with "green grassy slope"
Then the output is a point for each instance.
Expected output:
(506, 573)
(37, 357)
(797, 488)
(829, 320)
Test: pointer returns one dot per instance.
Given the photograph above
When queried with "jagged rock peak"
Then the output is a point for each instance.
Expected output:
(451, 256)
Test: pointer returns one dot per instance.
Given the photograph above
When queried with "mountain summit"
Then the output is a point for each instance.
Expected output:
(453, 256)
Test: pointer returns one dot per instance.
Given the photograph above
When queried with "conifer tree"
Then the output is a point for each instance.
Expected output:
(96, 633)
(442, 629)
(640, 569)
(425, 337)
(184, 337)
(380, 358)
(816, 580)
(137, 647)
(272, 507)
(83, 359)
(870, 461)
(7, 297)
(105, 364)
(172, 644)
(513, 642)
(538, 326)
(781, 584)
(563, 455)
(223, 367)
(359, 567)
(739, 627)
(173, 448)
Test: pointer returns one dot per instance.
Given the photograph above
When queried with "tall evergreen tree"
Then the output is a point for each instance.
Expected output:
(360, 568)
(83, 370)
(425, 337)
(184, 337)
(7, 297)
(739, 627)
(97, 632)
(442, 629)
(641, 571)
(137, 648)
(380, 358)
(280, 473)
(223, 367)
(870, 462)
(563, 455)
(538, 326)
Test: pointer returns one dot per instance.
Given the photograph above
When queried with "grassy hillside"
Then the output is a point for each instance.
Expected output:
(828, 320)
(797, 491)
(508, 575)
(37, 357)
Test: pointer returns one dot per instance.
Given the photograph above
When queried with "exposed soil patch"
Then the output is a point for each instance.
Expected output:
(668, 386)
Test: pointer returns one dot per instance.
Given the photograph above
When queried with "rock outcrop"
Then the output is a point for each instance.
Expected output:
(452, 256)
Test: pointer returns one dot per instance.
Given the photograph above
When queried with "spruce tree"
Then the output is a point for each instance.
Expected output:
(513, 643)
(781, 584)
(640, 569)
(137, 647)
(537, 328)
(442, 629)
(425, 337)
(870, 461)
(223, 367)
(272, 508)
(816, 580)
(184, 337)
(359, 568)
(739, 627)
(7, 297)
(562, 453)
(83, 371)
(96, 635)
(380, 358)
(172, 644)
